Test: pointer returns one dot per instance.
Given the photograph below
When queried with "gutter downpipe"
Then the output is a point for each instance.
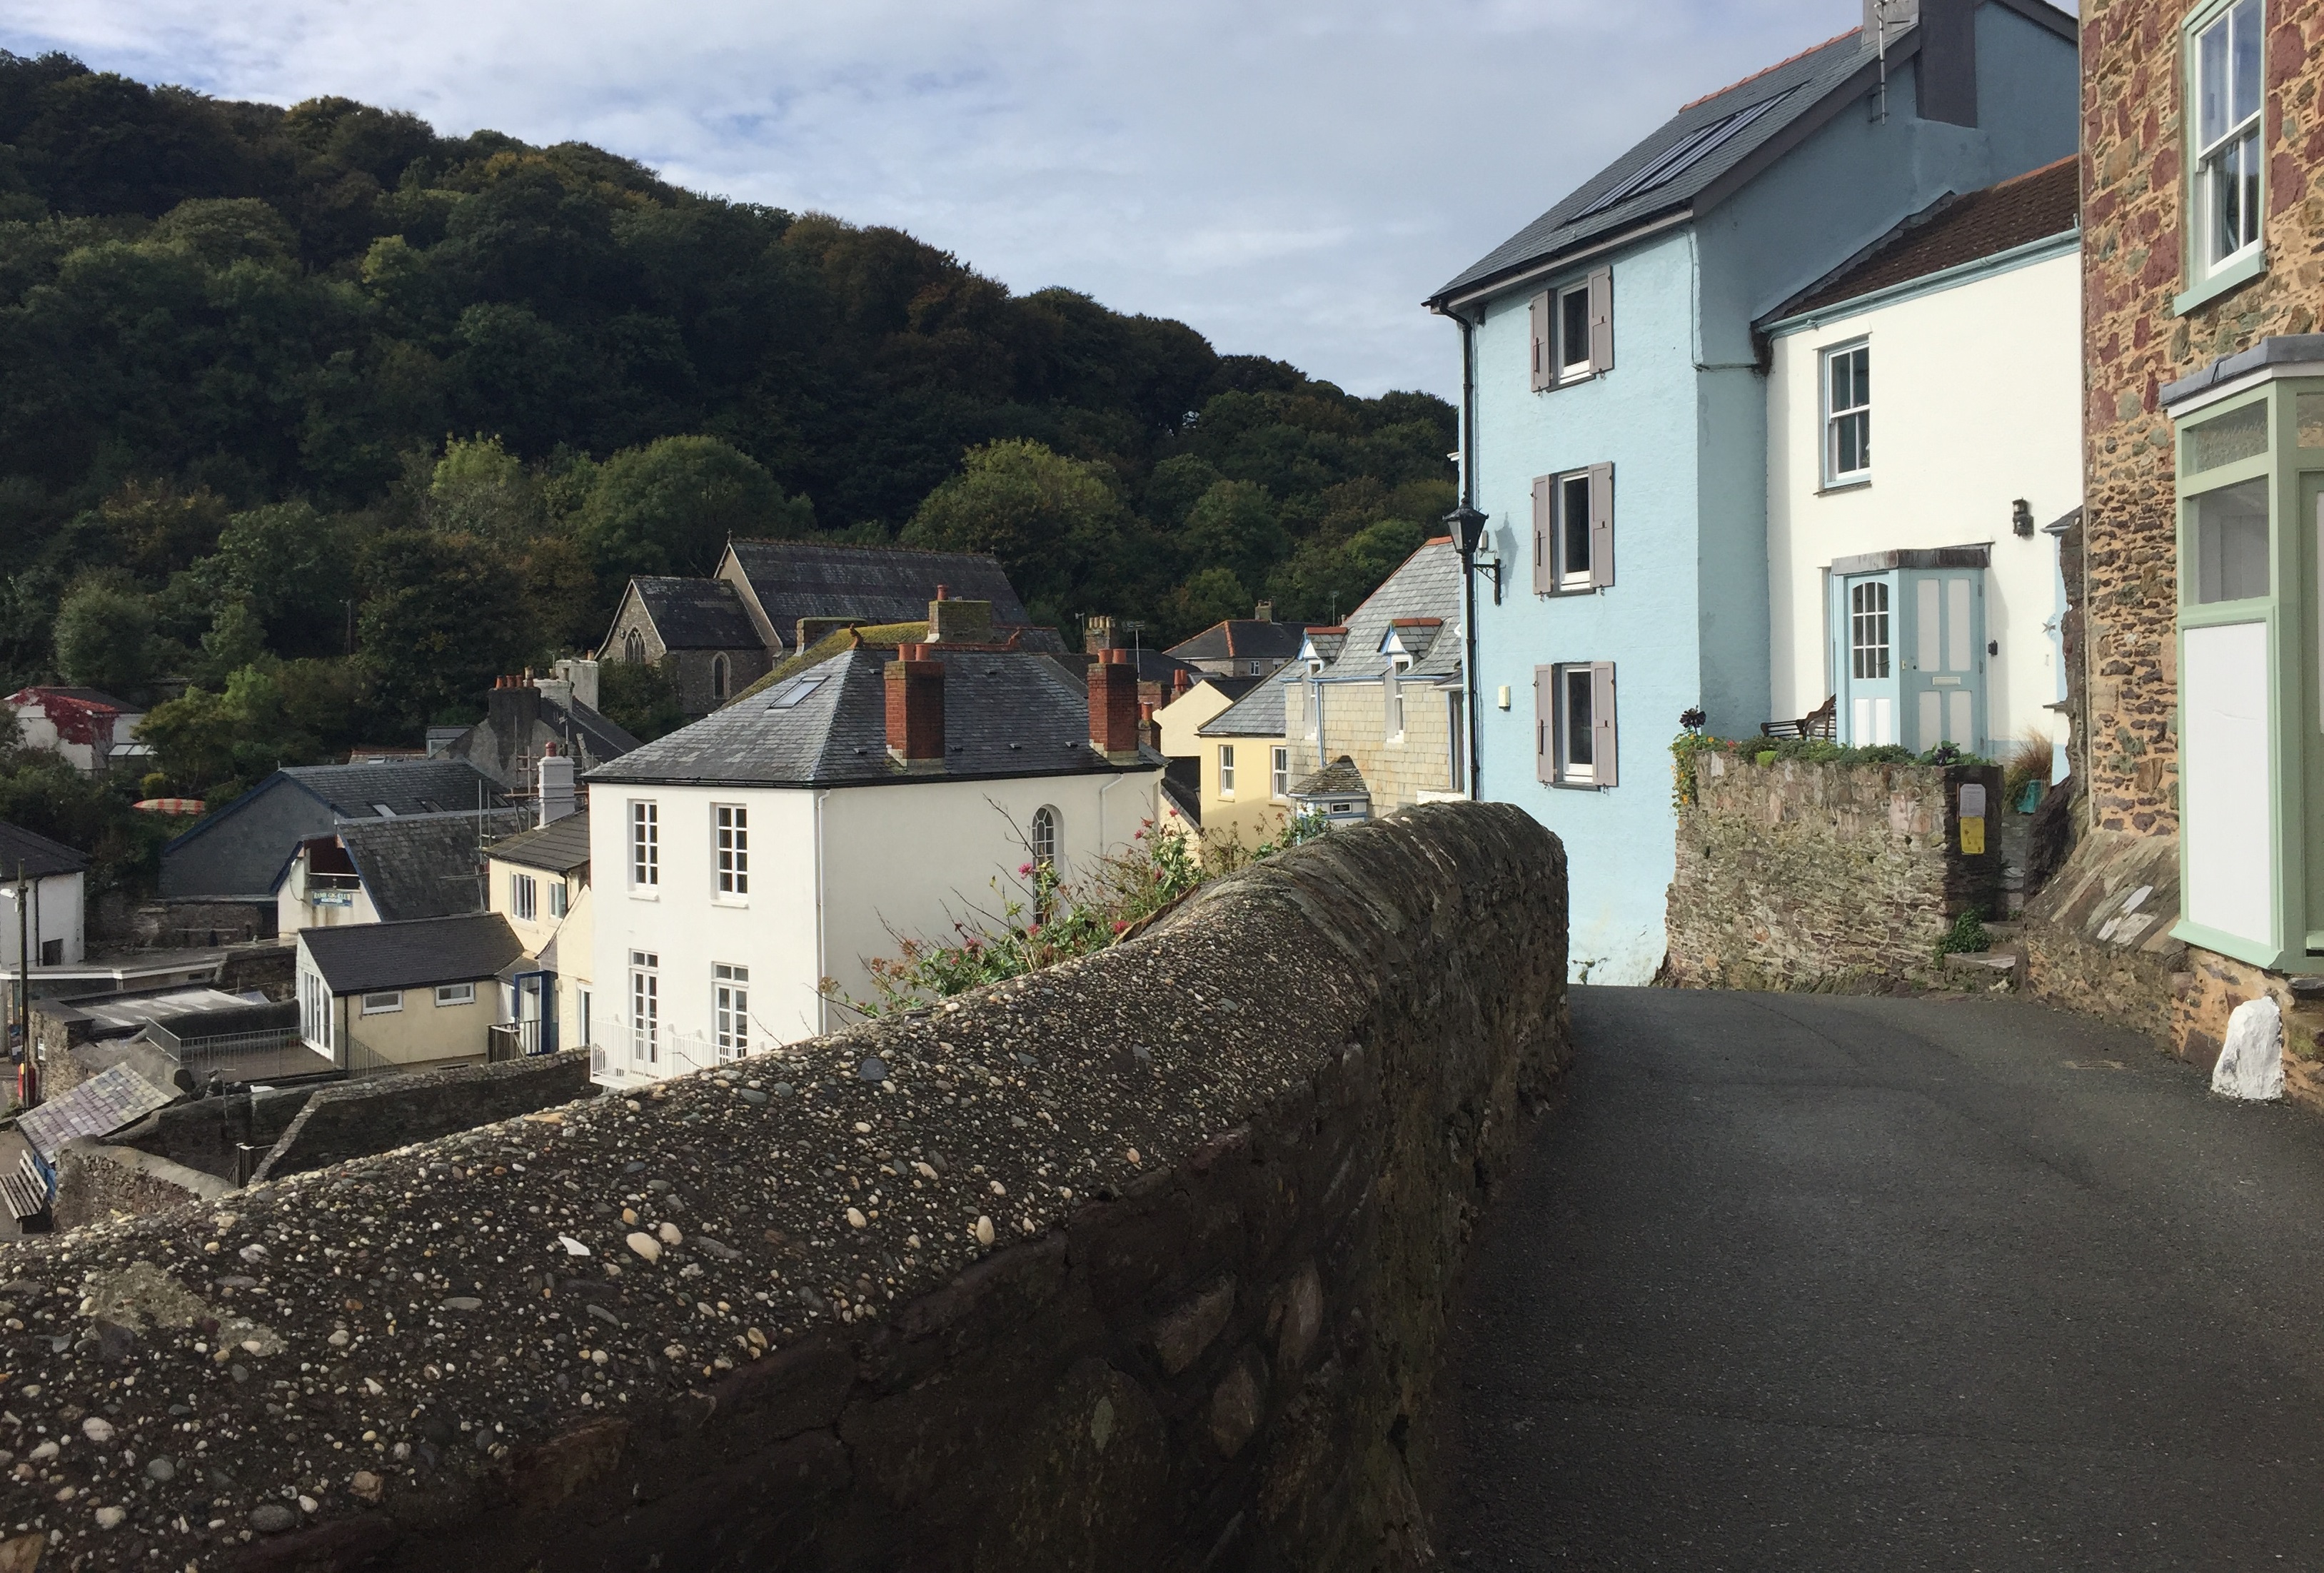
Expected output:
(1468, 533)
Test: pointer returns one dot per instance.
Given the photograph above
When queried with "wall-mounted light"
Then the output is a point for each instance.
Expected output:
(2021, 517)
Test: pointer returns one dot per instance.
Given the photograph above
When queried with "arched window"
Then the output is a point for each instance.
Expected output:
(633, 648)
(1045, 835)
(718, 678)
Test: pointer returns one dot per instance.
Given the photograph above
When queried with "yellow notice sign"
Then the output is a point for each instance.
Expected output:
(1972, 837)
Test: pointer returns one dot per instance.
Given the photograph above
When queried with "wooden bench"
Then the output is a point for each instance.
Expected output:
(1820, 722)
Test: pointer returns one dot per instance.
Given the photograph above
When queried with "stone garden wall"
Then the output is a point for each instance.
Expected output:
(96, 1182)
(1800, 875)
(1140, 1262)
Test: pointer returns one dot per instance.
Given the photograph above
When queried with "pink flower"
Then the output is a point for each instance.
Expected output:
(1119, 925)
(1024, 868)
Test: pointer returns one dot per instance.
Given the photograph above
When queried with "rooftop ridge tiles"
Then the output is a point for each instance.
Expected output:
(1768, 71)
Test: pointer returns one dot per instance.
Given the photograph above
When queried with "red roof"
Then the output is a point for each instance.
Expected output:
(2034, 206)
(79, 715)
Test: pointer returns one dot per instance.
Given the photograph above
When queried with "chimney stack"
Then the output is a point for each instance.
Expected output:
(952, 622)
(1114, 723)
(916, 709)
(514, 708)
(1149, 730)
(1181, 685)
(557, 794)
(1263, 613)
(1097, 636)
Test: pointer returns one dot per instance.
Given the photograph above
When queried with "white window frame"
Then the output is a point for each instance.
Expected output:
(645, 845)
(1393, 718)
(1566, 488)
(1563, 367)
(2234, 135)
(455, 993)
(1864, 619)
(730, 1010)
(524, 897)
(1046, 835)
(1226, 769)
(382, 1002)
(730, 831)
(557, 898)
(1854, 419)
(581, 1017)
(1554, 764)
(1570, 771)
(1278, 769)
(645, 1007)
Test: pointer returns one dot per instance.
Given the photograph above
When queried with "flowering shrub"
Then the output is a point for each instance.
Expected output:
(1039, 919)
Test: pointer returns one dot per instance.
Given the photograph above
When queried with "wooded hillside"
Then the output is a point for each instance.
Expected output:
(336, 418)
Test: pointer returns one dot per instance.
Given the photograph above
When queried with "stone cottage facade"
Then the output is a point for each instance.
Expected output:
(2203, 268)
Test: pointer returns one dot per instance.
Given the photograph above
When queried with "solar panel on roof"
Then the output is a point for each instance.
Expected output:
(1684, 154)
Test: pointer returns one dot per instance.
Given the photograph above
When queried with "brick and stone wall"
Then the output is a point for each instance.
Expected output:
(1800, 875)
(2134, 188)
(1140, 1262)
(96, 1182)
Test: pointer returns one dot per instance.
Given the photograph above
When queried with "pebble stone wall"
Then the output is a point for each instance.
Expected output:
(1138, 1262)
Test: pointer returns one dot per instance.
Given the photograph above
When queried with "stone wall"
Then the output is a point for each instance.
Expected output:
(209, 1134)
(355, 1119)
(1798, 875)
(2134, 182)
(1140, 1262)
(96, 1182)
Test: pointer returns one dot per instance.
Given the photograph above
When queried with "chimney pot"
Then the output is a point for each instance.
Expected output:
(943, 593)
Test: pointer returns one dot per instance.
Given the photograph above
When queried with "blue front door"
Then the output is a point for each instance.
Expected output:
(1864, 623)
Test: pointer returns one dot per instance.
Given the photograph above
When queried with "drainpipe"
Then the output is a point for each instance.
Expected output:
(1468, 533)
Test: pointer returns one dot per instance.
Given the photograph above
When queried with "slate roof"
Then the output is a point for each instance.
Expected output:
(368, 957)
(427, 866)
(1339, 779)
(1420, 601)
(1233, 687)
(406, 786)
(1242, 639)
(37, 854)
(1719, 133)
(691, 613)
(1007, 713)
(102, 1104)
(877, 584)
(2034, 206)
(561, 846)
(1258, 714)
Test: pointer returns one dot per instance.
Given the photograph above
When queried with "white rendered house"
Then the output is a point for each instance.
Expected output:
(1923, 424)
(797, 833)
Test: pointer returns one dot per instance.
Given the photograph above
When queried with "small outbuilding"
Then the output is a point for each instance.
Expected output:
(412, 995)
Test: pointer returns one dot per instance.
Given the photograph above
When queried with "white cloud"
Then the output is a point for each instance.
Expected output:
(1291, 180)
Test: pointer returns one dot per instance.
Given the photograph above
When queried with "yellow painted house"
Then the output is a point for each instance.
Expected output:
(539, 882)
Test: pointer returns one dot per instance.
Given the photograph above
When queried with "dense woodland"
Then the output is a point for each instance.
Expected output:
(314, 420)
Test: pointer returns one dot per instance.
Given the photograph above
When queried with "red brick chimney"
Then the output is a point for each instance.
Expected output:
(1114, 724)
(1181, 685)
(916, 709)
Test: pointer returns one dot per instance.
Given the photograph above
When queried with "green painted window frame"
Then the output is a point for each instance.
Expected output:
(2205, 283)
(2292, 611)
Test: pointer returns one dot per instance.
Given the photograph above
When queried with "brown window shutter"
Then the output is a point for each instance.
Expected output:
(1544, 570)
(1601, 319)
(1545, 723)
(1601, 523)
(1542, 375)
(1602, 751)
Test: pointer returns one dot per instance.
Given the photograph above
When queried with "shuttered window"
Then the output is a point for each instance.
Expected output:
(1573, 531)
(1537, 311)
(1573, 331)
(1574, 739)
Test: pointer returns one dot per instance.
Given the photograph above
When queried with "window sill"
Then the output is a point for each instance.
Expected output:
(1577, 786)
(1565, 592)
(726, 901)
(2229, 276)
(1833, 488)
(645, 893)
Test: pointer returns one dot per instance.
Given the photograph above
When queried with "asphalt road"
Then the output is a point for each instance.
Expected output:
(1795, 1283)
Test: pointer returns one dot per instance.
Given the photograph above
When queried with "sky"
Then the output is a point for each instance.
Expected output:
(1292, 179)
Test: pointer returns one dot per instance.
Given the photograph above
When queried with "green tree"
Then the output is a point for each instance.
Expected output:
(640, 697)
(1046, 517)
(443, 616)
(671, 506)
(1233, 525)
(480, 489)
(104, 636)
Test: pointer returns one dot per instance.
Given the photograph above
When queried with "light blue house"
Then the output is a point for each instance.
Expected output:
(1614, 412)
